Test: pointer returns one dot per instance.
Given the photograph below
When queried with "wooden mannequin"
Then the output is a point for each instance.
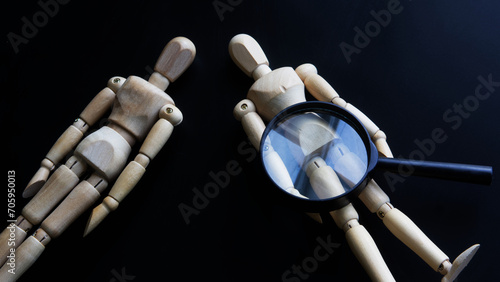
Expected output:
(141, 112)
(275, 90)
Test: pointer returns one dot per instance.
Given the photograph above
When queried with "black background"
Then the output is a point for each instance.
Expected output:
(426, 60)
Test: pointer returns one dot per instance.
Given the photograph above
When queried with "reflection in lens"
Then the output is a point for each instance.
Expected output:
(278, 171)
(316, 155)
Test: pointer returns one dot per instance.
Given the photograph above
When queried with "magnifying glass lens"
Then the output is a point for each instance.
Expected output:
(314, 153)
(321, 155)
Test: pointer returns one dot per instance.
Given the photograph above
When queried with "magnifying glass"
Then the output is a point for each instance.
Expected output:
(321, 157)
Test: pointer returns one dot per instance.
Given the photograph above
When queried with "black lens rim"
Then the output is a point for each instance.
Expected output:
(323, 205)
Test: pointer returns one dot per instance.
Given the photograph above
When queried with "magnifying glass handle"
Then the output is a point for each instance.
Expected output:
(476, 174)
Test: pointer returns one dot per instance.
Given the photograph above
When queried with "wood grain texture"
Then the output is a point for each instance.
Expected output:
(77, 202)
(39, 179)
(101, 103)
(276, 91)
(373, 196)
(68, 140)
(137, 105)
(156, 139)
(26, 254)
(247, 54)
(367, 253)
(12, 231)
(106, 151)
(405, 230)
(175, 58)
(127, 181)
(62, 181)
(252, 123)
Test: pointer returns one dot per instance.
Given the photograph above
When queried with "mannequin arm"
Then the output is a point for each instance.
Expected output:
(72, 136)
(323, 91)
(252, 123)
(254, 127)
